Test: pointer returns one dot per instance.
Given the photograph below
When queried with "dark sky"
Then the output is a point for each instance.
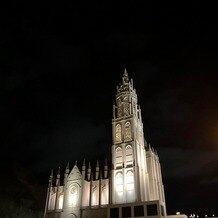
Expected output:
(61, 62)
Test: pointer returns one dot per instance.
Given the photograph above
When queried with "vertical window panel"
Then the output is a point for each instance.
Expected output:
(118, 133)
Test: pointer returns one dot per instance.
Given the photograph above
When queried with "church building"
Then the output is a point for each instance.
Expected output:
(129, 187)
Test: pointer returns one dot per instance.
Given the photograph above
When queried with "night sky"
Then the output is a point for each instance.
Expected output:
(60, 64)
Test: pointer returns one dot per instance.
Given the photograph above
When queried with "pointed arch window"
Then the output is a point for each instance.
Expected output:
(128, 131)
(129, 181)
(118, 136)
(118, 149)
(130, 186)
(129, 156)
(126, 106)
(119, 157)
(119, 183)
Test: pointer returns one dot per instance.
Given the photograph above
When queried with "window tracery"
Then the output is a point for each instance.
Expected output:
(128, 133)
(118, 133)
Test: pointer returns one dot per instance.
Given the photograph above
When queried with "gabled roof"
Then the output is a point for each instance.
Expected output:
(75, 174)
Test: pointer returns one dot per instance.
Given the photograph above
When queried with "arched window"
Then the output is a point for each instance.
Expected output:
(129, 156)
(119, 157)
(118, 136)
(118, 187)
(118, 149)
(130, 187)
(126, 108)
(119, 183)
(129, 181)
(128, 133)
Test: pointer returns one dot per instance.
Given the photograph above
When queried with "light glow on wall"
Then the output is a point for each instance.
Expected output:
(129, 181)
(104, 193)
(73, 196)
(130, 197)
(119, 187)
(60, 203)
(51, 205)
(94, 198)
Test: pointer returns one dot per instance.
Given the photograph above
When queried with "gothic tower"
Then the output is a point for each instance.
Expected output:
(131, 187)
(129, 167)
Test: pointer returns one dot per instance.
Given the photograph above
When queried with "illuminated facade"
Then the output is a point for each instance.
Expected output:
(131, 187)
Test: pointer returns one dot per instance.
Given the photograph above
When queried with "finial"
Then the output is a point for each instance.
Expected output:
(125, 72)
(105, 163)
(50, 179)
(58, 177)
(67, 169)
(149, 146)
(100, 175)
(51, 175)
(125, 77)
(59, 170)
(97, 164)
(89, 167)
(84, 162)
(76, 162)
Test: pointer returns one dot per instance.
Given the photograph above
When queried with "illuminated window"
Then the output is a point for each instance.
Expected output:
(126, 109)
(118, 133)
(118, 150)
(119, 183)
(129, 181)
(128, 134)
(130, 187)
(129, 158)
(119, 157)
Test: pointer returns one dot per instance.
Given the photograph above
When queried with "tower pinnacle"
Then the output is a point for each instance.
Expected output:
(125, 72)
(125, 77)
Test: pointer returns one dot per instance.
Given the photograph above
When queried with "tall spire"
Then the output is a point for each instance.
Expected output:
(125, 85)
